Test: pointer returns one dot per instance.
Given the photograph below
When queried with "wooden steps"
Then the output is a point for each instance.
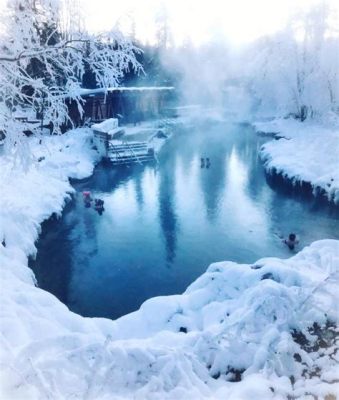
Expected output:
(130, 153)
(135, 146)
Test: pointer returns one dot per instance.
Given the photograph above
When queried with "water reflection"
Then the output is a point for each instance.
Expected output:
(167, 214)
(212, 179)
(164, 225)
(139, 193)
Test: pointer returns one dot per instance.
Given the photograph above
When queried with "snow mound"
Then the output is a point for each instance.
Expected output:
(305, 153)
(106, 126)
(278, 127)
(238, 332)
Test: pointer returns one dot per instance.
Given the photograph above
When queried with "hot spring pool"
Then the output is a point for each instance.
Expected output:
(164, 224)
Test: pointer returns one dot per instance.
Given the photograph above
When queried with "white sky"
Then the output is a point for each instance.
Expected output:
(239, 21)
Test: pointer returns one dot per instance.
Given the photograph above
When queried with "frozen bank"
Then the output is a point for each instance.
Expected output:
(306, 152)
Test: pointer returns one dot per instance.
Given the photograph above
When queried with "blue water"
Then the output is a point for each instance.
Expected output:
(164, 224)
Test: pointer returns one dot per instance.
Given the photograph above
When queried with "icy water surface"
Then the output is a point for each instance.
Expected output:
(163, 225)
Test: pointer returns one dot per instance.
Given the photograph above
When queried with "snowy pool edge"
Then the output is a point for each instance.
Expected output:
(305, 154)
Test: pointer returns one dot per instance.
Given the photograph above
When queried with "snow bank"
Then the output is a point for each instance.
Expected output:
(29, 196)
(306, 152)
(278, 127)
(235, 321)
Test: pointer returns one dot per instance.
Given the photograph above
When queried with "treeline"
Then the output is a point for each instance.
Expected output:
(296, 71)
(293, 73)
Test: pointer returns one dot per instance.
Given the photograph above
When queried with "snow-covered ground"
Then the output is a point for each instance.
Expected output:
(233, 319)
(306, 152)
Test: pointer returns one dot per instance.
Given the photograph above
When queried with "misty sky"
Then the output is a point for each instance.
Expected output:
(238, 21)
(197, 21)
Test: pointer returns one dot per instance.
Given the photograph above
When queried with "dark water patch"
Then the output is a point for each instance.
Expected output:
(54, 237)
(164, 224)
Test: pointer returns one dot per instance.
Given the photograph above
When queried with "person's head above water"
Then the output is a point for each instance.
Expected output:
(292, 237)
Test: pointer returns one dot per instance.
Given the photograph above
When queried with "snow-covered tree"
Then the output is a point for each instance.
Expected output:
(296, 70)
(41, 65)
(162, 22)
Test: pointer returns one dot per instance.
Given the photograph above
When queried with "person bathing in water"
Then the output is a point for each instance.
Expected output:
(87, 198)
(292, 241)
(99, 206)
(204, 163)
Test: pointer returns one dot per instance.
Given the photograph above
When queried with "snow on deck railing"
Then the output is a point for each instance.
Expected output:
(107, 125)
(83, 92)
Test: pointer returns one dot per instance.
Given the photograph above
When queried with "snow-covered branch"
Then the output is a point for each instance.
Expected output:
(41, 66)
(33, 53)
